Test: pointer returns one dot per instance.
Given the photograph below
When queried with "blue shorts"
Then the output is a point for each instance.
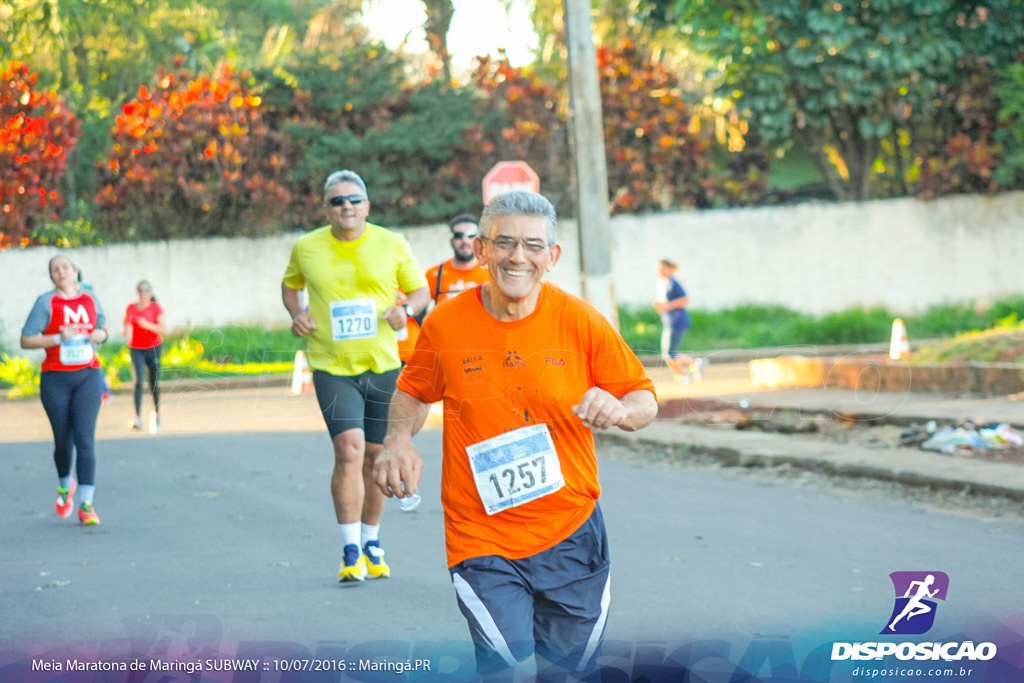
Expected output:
(357, 402)
(554, 603)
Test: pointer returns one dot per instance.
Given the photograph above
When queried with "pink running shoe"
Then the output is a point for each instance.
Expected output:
(87, 515)
(65, 500)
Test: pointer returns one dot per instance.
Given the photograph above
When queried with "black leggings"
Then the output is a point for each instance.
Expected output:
(72, 402)
(150, 360)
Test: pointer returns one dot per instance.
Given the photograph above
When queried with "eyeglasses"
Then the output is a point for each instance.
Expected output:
(353, 199)
(508, 244)
(464, 235)
(144, 290)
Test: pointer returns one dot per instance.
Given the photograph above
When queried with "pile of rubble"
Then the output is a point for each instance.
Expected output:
(992, 441)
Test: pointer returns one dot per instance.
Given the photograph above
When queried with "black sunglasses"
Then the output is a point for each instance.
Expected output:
(464, 235)
(353, 199)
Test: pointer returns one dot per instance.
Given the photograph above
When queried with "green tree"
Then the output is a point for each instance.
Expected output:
(1010, 94)
(842, 77)
(418, 145)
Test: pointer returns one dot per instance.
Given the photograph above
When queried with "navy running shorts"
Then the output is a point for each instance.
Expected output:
(554, 603)
(356, 402)
(671, 338)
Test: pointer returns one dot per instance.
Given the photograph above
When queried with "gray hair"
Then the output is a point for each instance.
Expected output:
(344, 177)
(520, 203)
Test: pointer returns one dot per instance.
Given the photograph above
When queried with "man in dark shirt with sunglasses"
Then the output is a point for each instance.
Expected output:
(352, 270)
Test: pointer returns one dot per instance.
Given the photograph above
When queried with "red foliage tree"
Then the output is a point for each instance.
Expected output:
(533, 128)
(192, 156)
(655, 162)
(36, 134)
(962, 155)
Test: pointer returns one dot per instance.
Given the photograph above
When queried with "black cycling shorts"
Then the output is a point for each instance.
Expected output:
(356, 402)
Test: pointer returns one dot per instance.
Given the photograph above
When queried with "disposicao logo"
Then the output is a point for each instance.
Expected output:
(916, 595)
(913, 613)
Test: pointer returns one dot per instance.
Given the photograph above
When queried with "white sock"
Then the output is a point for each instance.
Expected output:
(370, 532)
(349, 533)
(85, 492)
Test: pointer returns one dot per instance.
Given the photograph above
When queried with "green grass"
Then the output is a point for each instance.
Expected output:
(759, 326)
(1002, 343)
(201, 352)
(239, 345)
(969, 334)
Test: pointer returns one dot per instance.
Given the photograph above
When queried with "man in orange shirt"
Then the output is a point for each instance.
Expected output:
(525, 371)
(463, 270)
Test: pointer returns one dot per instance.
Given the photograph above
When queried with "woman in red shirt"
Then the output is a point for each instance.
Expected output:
(145, 327)
(69, 323)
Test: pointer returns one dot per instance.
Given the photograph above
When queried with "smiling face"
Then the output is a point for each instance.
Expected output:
(516, 273)
(63, 274)
(348, 220)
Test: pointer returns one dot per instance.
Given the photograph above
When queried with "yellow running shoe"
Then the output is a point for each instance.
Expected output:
(352, 568)
(373, 560)
(66, 500)
(87, 515)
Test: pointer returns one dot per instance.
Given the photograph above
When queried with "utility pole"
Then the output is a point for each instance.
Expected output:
(595, 233)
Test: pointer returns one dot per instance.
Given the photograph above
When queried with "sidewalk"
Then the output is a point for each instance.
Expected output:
(729, 385)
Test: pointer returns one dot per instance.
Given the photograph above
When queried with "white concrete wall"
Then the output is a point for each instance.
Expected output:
(902, 254)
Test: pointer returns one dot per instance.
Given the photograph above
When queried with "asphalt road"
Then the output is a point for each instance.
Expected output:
(218, 542)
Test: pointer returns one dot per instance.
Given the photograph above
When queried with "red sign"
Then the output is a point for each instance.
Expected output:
(509, 175)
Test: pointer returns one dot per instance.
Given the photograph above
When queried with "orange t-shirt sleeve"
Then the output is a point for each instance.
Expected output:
(421, 377)
(616, 368)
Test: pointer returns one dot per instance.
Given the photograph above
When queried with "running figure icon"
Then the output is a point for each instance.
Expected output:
(917, 595)
(915, 607)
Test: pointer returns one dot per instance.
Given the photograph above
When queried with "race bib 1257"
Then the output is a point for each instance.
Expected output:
(516, 467)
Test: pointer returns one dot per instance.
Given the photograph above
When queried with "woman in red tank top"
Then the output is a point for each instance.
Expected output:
(145, 328)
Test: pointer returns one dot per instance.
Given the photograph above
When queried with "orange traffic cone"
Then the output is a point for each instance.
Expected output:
(302, 376)
(898, 343)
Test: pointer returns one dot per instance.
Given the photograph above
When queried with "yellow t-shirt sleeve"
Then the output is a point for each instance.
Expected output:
(410, 275)
(293, 276)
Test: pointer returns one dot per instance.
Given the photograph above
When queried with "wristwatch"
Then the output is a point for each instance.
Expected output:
(409, 310)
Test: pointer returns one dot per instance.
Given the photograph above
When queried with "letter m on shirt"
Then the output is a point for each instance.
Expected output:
(77, 316)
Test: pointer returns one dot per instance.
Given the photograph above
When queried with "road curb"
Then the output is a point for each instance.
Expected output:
(983, 479)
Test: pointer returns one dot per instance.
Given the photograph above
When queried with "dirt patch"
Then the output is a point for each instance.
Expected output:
(1011, 354)
(840, 429)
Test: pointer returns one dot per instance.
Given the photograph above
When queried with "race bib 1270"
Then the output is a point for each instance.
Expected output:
(515, 468)
(353, 319)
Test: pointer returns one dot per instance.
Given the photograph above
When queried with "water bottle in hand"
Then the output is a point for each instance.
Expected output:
(407, 502)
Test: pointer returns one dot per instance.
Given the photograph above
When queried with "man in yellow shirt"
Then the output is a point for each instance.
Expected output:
(352, 270)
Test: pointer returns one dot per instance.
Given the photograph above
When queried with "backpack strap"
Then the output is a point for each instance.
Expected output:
(437, 285)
